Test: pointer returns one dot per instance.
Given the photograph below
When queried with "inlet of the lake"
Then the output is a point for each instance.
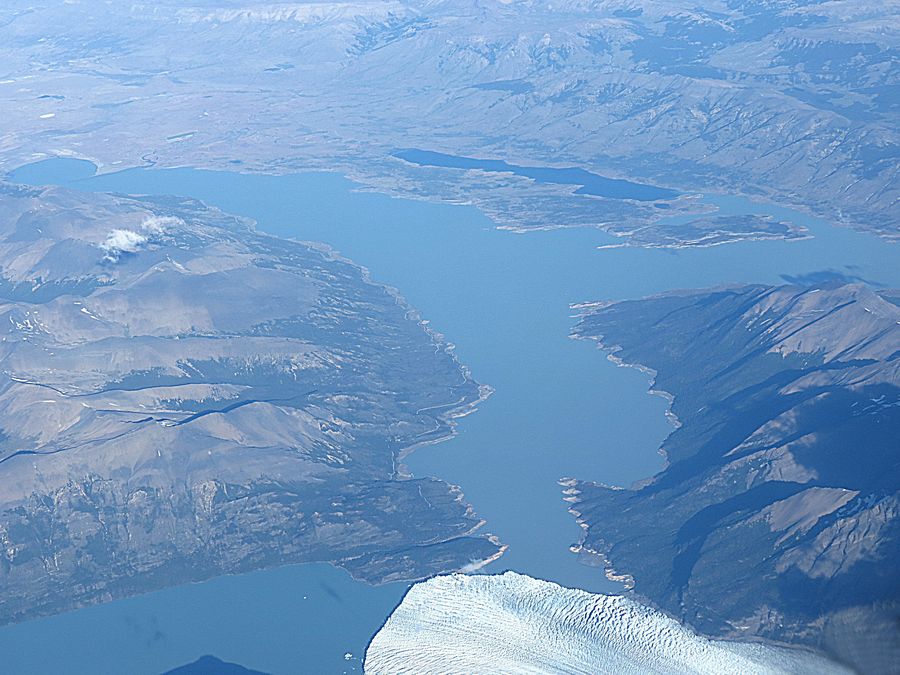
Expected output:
(559, 408)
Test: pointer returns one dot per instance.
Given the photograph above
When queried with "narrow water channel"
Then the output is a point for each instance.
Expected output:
(559, 408)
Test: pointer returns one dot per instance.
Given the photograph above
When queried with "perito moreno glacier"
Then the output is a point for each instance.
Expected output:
(513, 623)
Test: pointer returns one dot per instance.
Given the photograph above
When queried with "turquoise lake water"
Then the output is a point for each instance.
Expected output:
(559, 408)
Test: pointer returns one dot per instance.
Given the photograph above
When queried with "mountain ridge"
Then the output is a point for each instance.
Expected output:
(776, 513)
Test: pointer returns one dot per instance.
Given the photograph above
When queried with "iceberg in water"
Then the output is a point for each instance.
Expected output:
(511, 623)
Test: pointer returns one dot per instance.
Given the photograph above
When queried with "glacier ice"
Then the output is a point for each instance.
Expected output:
(512, 623)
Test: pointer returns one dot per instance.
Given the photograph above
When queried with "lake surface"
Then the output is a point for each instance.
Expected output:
(294, 619)
(591, 183)
(559, 407)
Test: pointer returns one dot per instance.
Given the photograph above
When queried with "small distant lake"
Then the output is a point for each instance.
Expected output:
(559, 409)
(590, 183)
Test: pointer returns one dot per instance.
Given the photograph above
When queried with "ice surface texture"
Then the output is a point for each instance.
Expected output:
(512, 623)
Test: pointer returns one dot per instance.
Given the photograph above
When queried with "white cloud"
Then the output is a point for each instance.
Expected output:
(122, 241)
(160, 224)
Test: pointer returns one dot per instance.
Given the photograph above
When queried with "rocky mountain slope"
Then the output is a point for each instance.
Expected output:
(777, 513)
(182, 397)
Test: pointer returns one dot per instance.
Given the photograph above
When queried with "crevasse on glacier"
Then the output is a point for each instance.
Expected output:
(512, 623)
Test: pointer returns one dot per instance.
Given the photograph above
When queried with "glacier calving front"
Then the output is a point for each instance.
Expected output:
(512, 623)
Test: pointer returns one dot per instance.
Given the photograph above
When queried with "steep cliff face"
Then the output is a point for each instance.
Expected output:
(183, 397)
(777, 513)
